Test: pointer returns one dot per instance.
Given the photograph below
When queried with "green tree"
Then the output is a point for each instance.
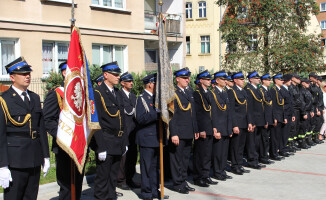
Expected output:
(271, 36)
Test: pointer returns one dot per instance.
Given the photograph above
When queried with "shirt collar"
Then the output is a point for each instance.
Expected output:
(111, 89)
(148, 92)
(126, 92)
(277, 87)
(239, 88)
(253, 85)
(264, 87)
(286, 87)
(20, 92)
(181, 89)
(221, 90)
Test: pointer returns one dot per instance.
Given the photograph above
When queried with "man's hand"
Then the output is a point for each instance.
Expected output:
(275, 123)
(202, 134)
(266, 126)
(318, 113)
(102, 156)
(217, 135)
(305, 116)
(293, 119)
(285, 121)
(175, 140)
(196, 136)
(250, 128)
(324, 112)
(236, 130)
(5, 177)
(312, 114)
(231, 135)
(46, 166)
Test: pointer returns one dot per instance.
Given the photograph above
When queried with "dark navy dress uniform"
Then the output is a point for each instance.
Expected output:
(222, 121)
(51, 108)
(278, 115)
(23, 140)
(112, 139)
(203, 146)
(147, 137)
(184, 125)
(240, 118)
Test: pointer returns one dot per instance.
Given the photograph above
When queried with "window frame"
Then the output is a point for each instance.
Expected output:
(101, 5)
(188, 52)
(321, 5)
(17, 53)
(55, 55)
(125, 54)
(189, 10)
(324, 23)
(203, 8)
(205, 42)
(252, 42)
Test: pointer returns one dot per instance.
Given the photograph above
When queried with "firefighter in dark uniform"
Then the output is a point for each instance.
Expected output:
(51, 109)
(203, 145)
(23, 140)
(255, 107)
(297, 108)
(306, 114)
(113, 141)
(129, 160)
(222, 122)
(241, 123)
(147, 137)
(278, 118)
(317, 113)
(288, 114)
(183, 128)
(229, 81)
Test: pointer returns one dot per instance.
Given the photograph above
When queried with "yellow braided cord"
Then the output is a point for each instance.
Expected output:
(59, 100)
(180, 105)
(7, 114)
(266, 102)
(207, 110)
(236, 98)
(106, 110)
(217, 103)
(259, 100)
(278, 101)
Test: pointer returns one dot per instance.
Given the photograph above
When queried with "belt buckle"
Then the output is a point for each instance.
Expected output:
(34, 135)
(120, 133)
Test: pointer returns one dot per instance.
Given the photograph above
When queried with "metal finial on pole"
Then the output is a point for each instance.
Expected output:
(72, 14)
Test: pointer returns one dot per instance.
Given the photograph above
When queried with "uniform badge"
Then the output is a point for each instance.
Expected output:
(14, 94)
(148, 97)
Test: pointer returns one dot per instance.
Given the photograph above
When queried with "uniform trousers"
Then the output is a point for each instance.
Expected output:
(106, 177)
(264, 147)
(202, 157)
(276, 137)
(252, 141)
(294, 130)
(63, 172)
(24, 185)
(149, 169)
(285, 135)
(220, 155)
(237, 145)
(128, 163)
(179, 160)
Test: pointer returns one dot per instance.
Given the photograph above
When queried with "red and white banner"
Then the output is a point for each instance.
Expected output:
(74, 131)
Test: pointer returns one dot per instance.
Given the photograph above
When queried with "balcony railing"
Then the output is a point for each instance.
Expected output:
(172, 23)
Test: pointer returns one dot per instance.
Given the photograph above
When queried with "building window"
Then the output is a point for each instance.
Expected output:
(53, 54)
(231, 46)
(323, 24)
(322, 7)
(242, 12)
(9, 51)
(201, 68)
(202, 9)
(102, 54)
(188, 10)
(323, 42)
(205, 45)
(188, 44)
(252, 44)
(119, 4)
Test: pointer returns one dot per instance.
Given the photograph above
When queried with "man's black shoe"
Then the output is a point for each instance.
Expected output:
(210, 181)
(261, 165)
(236, 171)
(267, 162)
(147, 198)
(244, 170)
(219, 177)
(290, 153)
(228, 177)
(201, 183)
(277, 158)
(254, 166)
(133, 184)
(297, 148)
(182, 190)
(123, 186)
(119, 194)
(190, 188)
(159, 196)
(284, 154)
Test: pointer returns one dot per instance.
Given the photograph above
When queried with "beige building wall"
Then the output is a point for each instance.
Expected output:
(197, 27)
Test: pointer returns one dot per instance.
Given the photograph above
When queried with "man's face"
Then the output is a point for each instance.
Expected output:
(230, 83)
(312, 79)
(205, 82)
(183, 82)
(278, 82)
(63, 72)
(112, 78)
(255, 81)
(21, 80)
(288, 83)
(296, 81)
(239, 82)
(267, 82)
(127, 84)
(305, 84)
(221, 82)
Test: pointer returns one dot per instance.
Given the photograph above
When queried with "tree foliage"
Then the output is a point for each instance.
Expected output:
(271, 36)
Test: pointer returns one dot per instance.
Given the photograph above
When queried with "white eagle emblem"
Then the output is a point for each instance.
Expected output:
(78, 99)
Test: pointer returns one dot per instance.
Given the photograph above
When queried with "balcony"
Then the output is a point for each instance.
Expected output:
(172, 23)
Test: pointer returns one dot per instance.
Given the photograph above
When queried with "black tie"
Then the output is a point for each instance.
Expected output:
(113, 93)
(26, 100)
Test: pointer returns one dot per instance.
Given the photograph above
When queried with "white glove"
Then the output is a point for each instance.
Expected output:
(125, 151)
(46, 166)
(5, 177)
(102, 156)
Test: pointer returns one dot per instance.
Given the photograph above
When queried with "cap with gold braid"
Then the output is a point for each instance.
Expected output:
(19, 66)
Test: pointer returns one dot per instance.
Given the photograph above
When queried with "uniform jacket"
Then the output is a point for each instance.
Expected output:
(183, 123)
(204, 120)
(307, 101)
(314, 92)
(21, 151)
(295, 93)
(221, 113)
(268, 105)
(278, 104)
(320, 104)
(108, 139)
(148, 120)
(240, 117)
(288, 102)
(255, 105)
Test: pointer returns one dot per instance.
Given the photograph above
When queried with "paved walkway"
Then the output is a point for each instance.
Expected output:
(302, 176)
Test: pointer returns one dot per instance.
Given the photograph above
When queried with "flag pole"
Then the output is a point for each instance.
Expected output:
(161, 132)
(72, 164)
